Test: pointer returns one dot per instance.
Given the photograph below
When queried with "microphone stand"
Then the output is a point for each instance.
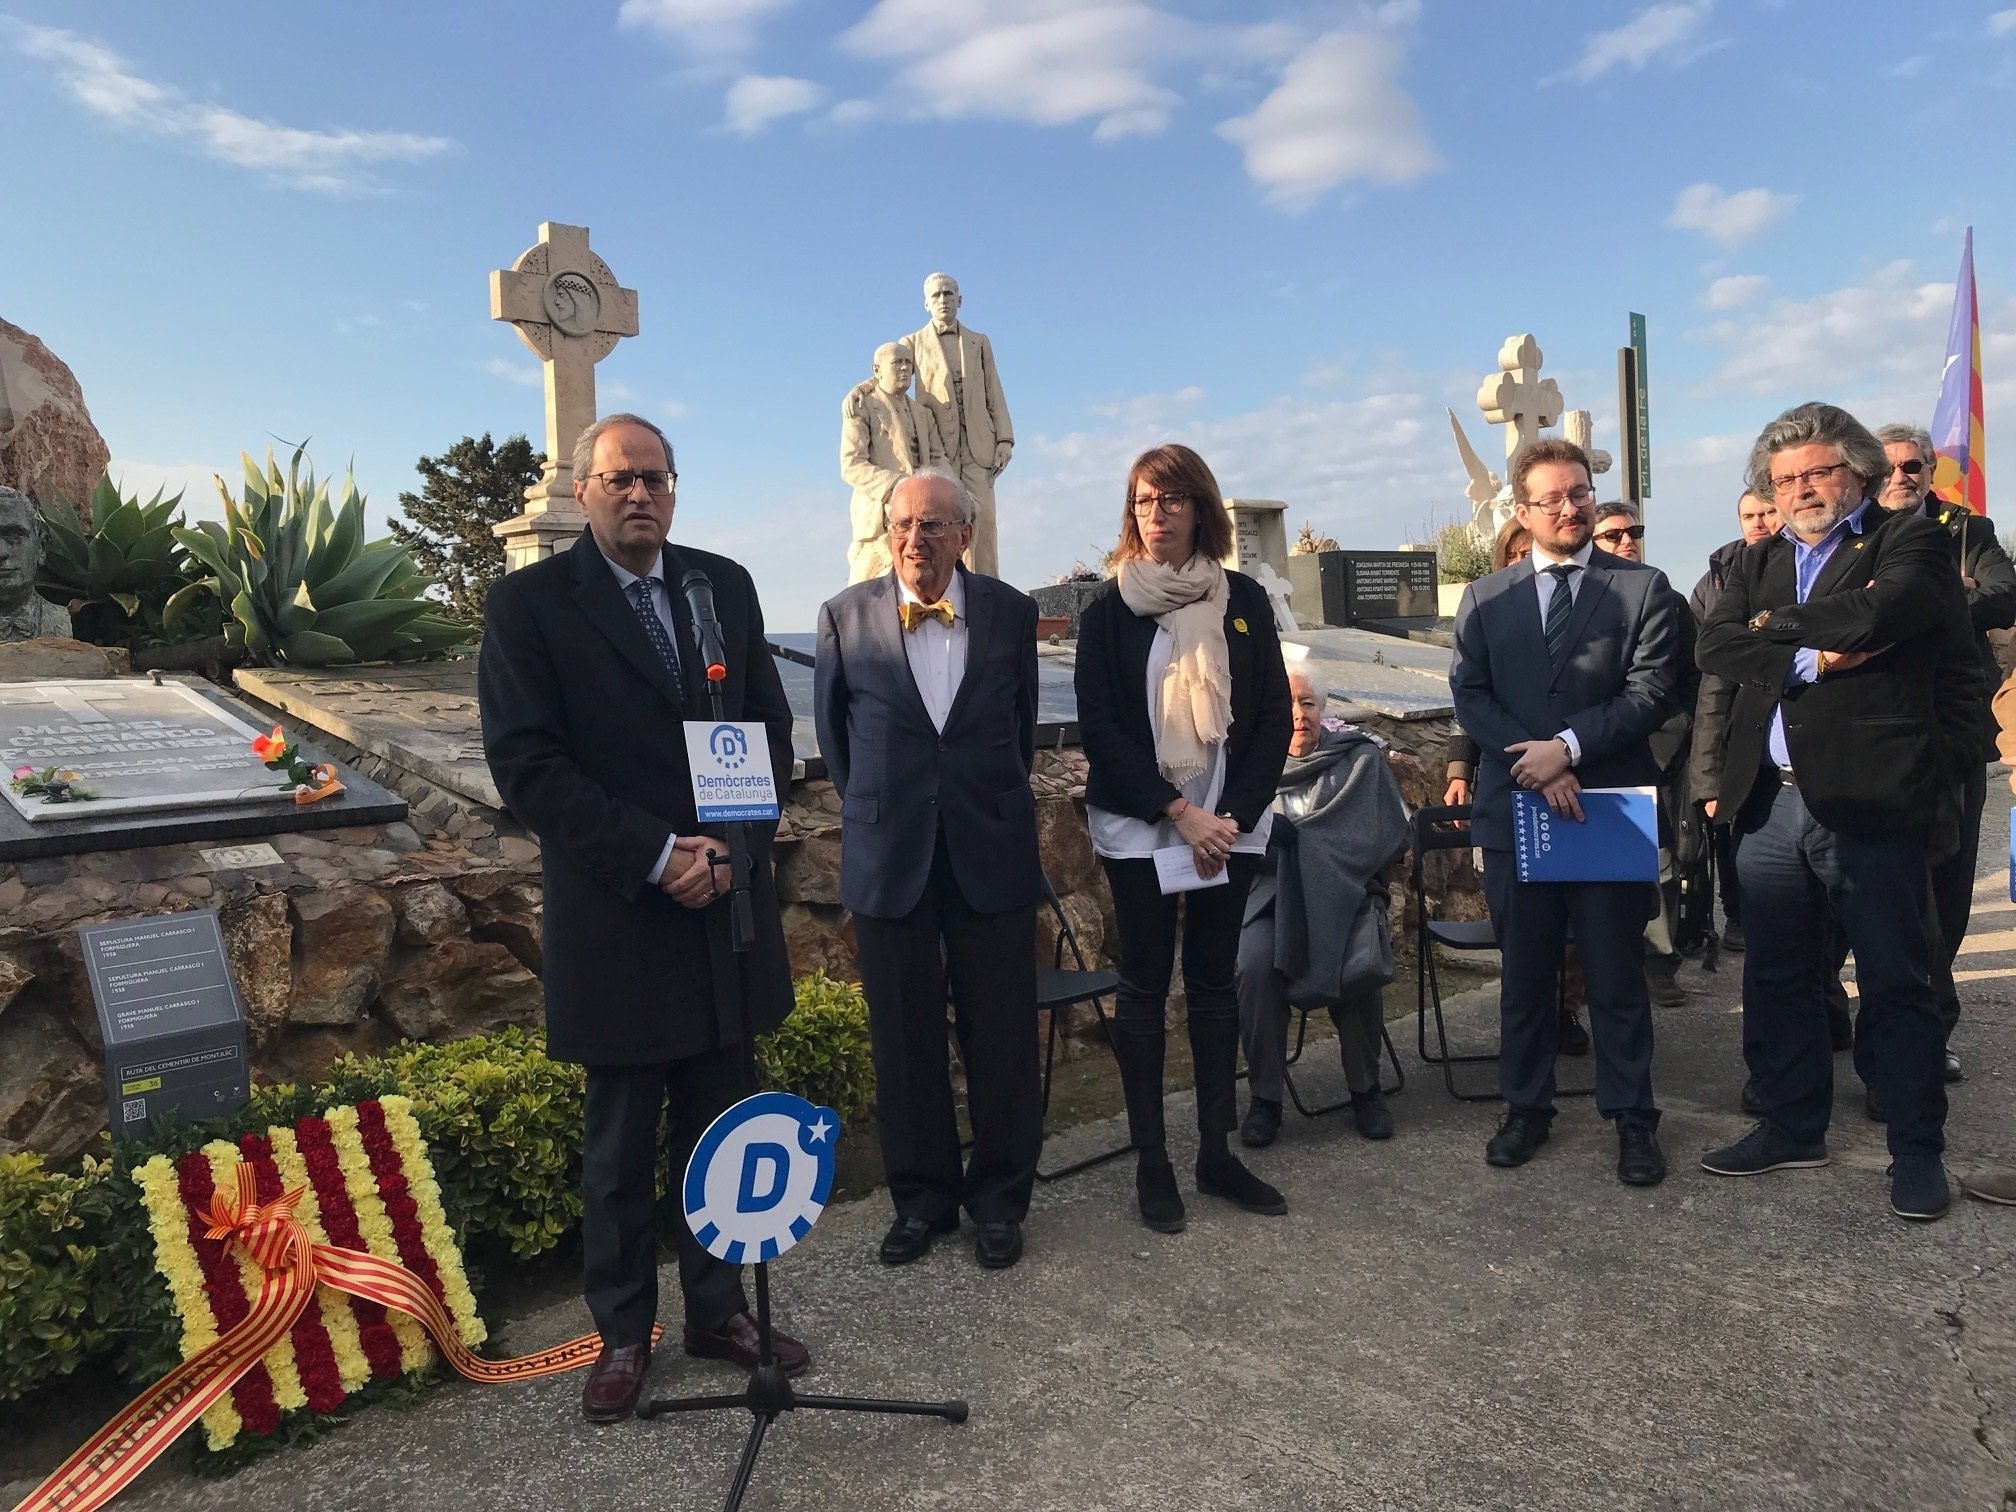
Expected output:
(769, 1393)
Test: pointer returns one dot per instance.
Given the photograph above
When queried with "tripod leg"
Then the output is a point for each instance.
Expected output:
(663, 1405)
(952, 1412)
(747, 1468)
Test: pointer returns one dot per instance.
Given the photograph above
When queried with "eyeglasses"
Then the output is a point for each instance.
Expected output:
(1811, 478)
(1170, 504)
(1910, 469)
(1561, 503)
(622, 480)
(1612, 537)
(931, 530)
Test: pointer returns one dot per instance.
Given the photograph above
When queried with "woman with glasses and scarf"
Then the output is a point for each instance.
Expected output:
(1184, 712)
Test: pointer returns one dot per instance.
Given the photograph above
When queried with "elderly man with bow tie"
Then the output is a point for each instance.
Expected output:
(926, 712)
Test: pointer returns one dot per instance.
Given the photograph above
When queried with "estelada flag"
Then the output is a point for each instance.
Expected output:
(1959, 476)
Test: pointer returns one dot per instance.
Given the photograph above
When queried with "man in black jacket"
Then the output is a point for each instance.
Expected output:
(1758, 520)
(1990, 582)
(1858, 701)
(587, 676)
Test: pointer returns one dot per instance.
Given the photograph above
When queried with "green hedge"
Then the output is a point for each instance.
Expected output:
(502, 1123)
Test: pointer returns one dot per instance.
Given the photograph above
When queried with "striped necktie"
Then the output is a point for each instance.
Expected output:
(644, 600)
(1559, 608)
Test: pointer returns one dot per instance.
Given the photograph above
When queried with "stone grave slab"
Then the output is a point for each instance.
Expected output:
(1401, 679)
(1354, 587)
(1259, 535)
(172, 762)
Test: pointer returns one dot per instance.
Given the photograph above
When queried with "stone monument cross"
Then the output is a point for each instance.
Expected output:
(568, 308)
(1517, 397)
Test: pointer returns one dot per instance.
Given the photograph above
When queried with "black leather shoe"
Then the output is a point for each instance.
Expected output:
(910, 1238)
(738, 1342)
(615, 1383)
(1574, 1034)
(998, 1245)
(1371, 1115)
(1520, 1134)
(1155, 1191)
(1918, 1189)
(1732, 937)
(1953, 1071)
(1752, 1103)
(1639, 1161)
(1262, 1124)
(1225, 1176)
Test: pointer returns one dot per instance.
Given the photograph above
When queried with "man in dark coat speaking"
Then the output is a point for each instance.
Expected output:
(588, 671)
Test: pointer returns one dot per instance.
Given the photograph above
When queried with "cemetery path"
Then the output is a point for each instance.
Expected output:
(1420, 1331)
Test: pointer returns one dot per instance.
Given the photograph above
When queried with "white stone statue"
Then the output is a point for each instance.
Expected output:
(957, 379)
(1490, 496)
(885, 435)
(24, 613)
(1576, 426)
(1277, 590)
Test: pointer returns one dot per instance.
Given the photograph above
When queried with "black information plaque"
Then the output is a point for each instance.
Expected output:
(1379, 588)
(173, 1024)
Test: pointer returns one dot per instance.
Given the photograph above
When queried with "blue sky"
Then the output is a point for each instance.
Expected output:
(1288, 234)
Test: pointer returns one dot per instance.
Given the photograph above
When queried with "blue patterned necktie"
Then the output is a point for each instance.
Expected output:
(642, 600)
(1559, 608)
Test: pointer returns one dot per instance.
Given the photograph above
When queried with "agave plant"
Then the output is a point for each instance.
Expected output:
(118, 578)
(301, 585)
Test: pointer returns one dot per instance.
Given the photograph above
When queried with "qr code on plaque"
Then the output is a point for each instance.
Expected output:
(133, 1110)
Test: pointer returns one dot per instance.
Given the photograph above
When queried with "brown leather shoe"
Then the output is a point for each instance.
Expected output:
(615, 1383)
(736, 1342)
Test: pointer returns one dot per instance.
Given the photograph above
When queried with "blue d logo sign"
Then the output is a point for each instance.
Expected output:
(759, 1177)
(729, 745)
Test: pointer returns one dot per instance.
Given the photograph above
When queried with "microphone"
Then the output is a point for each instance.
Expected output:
(699, 591)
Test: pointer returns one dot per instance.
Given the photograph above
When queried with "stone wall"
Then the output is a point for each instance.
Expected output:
(430, 930)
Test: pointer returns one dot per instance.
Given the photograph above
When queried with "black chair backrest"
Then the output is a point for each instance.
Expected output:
(1065, 934)
(1443, 827)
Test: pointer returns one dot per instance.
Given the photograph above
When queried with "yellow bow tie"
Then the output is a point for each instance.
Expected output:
(914, 615)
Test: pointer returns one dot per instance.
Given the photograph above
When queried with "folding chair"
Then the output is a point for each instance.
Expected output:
(1288, 1069)
(1439, 828)
(1059, 987)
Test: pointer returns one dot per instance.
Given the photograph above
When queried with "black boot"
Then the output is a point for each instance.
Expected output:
(1155, 1190)
(1138, 1045)
(1220, 1174)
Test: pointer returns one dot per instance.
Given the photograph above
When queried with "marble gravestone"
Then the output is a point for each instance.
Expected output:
(163, 762)
(1259, 535)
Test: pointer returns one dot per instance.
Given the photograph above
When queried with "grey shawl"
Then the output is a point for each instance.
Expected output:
(1350, 822)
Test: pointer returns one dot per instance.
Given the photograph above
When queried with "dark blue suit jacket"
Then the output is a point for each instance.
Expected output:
(1615, 682)
(899, 777)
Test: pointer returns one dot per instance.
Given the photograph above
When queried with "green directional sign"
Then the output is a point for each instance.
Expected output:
(1642, 418)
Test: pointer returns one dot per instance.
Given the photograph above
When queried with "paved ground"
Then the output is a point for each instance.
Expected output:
(1420, 1332)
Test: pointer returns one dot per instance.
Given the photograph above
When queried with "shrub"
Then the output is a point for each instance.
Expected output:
(56, 1302)
(118, 578)
(301, 583)
(1462, 554)
(821, 1051)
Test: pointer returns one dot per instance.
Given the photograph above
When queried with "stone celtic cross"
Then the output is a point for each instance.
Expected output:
(1517, 397)
(568, 308)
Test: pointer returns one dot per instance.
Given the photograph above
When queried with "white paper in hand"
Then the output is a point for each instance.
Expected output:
(1176, 871)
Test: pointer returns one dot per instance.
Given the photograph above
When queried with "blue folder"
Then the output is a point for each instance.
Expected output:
(1617, 839)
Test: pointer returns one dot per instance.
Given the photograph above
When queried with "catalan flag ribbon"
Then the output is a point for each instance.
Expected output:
(1959, 476)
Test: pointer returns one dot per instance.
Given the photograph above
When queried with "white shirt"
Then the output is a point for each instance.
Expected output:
(1123, 837)
(937, 652)
(1546, 582)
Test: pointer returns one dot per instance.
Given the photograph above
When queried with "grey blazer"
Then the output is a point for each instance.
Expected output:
(899, 778)
(1615, 682)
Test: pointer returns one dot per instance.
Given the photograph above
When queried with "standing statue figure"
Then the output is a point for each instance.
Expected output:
(957, 379)
(24, 613)
(885, 435)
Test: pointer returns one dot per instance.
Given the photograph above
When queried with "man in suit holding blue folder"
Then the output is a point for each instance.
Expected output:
(1564, 666)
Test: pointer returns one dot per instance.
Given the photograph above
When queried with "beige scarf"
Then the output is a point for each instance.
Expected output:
(1188, 602)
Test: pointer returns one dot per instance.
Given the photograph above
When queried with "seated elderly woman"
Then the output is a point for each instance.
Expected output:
(1315, 930)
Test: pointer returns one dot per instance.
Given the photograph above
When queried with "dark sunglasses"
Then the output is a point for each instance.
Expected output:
(1612, 537)
(1910, 469)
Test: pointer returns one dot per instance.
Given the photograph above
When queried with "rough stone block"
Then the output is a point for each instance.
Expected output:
(820, 937)
(343, 945)
(429, 914)
(51, 1089)
(457, 988)
(1065, 845)
(808, 870)
(259, 941)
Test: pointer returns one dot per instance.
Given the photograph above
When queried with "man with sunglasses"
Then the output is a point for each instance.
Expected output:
(1620, 530)
(1858, 707)
(1990, 583)
(1564, 665)
(589, 671)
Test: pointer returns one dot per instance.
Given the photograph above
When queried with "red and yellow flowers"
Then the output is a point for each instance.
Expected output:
(310, 782)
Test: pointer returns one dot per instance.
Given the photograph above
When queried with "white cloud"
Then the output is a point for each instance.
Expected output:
(515, 372)
(1338, 114)
(1045, 62)
(1736, 289)
(357, 323)
(2002, 23)
(1907, 68)
(755, 100)
(708, 28)
(675, 409)
(335, 162)
(1664, 32)
(1728, 218)
(853, 113)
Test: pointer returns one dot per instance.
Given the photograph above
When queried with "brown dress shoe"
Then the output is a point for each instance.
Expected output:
(615, 1383)
(736, 1341)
